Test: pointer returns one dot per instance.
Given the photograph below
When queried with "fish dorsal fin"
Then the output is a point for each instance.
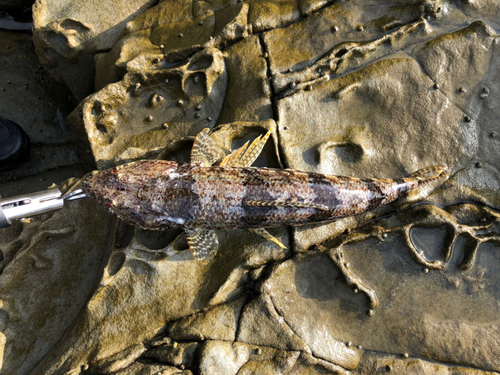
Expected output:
(206, 151)
(277, 203)
(203, 243)
(246, 155)
(268, 236)
(233, 159)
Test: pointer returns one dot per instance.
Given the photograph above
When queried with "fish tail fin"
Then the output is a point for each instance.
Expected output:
(430, 173)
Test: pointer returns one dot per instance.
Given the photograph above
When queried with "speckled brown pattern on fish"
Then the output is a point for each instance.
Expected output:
(162, 194)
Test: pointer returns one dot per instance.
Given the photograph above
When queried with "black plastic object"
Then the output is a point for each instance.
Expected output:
(14, 144)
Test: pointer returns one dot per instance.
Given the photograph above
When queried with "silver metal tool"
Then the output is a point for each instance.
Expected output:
(28, 205)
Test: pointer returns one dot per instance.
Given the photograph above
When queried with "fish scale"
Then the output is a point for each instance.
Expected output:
(201, 198)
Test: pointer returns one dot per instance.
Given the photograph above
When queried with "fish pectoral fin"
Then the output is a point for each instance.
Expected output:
(286, 204)
(206, 151)
(203, 243)
(268, 236)
(246, 155)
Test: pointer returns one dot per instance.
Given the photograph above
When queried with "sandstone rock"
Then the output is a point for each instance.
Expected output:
(292, 49)
(67, 36)
(247, 72)
(38, 104)
(261, 325)
(471, 59)
(218, 323)
(380, 363)
(153, 369)
(307, 364)
(118, 361)
(141, 115)
(458, 63)
(175, 354)
(298, 299)
(49, 280)
(219, 357)
(320, 308)
(341, 141)
(142, 288)
(351, 86)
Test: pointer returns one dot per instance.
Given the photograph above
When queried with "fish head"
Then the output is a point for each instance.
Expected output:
(122, 190)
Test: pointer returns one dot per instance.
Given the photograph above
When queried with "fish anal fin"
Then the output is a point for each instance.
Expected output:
(206, 151)
(256, 203)
(203, 243)
(246, 155)
(268, 236)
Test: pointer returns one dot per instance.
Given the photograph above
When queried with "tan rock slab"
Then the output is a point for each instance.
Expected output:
(49, 280)
(357, 113)
(68, 34)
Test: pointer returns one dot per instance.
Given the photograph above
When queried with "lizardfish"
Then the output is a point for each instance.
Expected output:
(200, 197)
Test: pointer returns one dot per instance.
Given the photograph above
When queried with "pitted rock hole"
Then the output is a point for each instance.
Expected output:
(348, 152)
(341, 52)
(201, 62)
(115, 263)
(69, 24)
(155, 240)
(428, 240)
(196, 84)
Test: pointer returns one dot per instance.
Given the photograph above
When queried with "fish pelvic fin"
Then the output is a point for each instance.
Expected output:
(246, 155)
(203, 244)
(430, 173)
(268, 236)
(206, 151)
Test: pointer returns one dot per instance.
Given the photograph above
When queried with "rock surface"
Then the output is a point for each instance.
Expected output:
(356, 88)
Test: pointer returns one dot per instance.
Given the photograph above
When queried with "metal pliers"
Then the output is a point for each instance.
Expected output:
(28, 205)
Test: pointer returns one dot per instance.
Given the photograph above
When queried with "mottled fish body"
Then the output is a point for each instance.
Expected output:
(199, 197)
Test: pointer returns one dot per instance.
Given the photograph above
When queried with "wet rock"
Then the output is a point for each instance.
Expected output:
(338, 140)
(235, 358)
(218, 323)
(291, 48)
(321, 308)
(114, 118)
(248, 94)
(459, 62)
(144, 286)
(68, 35)
(175, 354)
(261, 325)
(480, 77)
(49, 281)
(38, 104)
(118, 361)
(359, 89)
(152, 369)
(307, 364)
(380, 363)
(298, 301)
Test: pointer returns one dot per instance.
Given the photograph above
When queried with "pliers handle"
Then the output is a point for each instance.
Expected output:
(28, 205)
